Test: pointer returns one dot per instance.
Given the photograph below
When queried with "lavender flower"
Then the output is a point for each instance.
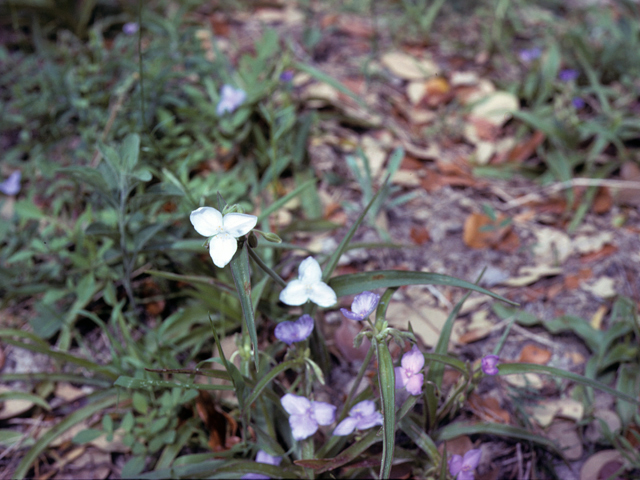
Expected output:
(362, 416)
(530, 54)
(263, 457)
(308, 286)
(305, 415)
(568, 74)
(489, 363)
(577, 103)
(230, 99)
(363, 305)
(130, 28)
(408, 375)
(465, 466)
(286, 76)
(11, 186)
(291, 332)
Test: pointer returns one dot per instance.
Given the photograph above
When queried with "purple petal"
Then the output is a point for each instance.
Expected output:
(11, 186)
(302, 426)
(568, 75)
(370, 421)
(414, 384)
(530, 54)
(350, 315)
(413, 360)
(365, 303)
(466, 475)
(577, 103)
(264, 457)
(130, 28)
(489, 363)
(291, 332)
(401, 377)
(471, 459)
(323, 413)
(286, 76)
(255, 476)
(366, 407)
(295, 405)
(345, 427)
(455, 464)
(230, 99)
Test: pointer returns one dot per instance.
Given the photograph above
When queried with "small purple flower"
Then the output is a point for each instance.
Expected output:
(362, 306)
(306, 415)
(11, 186)
(130, 28)
(263, 457)
(291, 332)
(286, 76)
(489, 363)
(230, 99)
(408, 375)
(577, 103)
(362, 416)
(465, 466)
(568, 75)
(528, 55)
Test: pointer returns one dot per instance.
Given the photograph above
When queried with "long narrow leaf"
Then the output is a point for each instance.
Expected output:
(260, 386)
(129, 382)
(387, 381)
(421, 439)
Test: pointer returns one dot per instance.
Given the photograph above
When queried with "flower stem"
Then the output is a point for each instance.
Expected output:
(356, 383)
(265, 268)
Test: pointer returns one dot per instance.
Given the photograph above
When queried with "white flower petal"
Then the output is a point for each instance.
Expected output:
(309, 271)
(239, 224)
(294, 294)
(323, 295)
(302, 426)
(370, 421)
(222, 248)
(346, 426)
(206, 220)
(364, 408)
(295, 405)
(324, 413)
(413, 360)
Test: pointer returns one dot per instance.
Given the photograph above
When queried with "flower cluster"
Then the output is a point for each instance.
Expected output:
(291, 332)
(305, 416)
(224, 231)
(362, 416)
(230, 99)
(363, 305)
(262, 457)
(308, 286)
(408, 374)
(489, 363)
(464, 467)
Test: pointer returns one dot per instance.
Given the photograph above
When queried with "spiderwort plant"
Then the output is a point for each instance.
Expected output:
(363, 305)
(308, 286)
(292, 332)
(489, 364)
(408, 374)
(362, 416)
(463, 468)
(305, 416)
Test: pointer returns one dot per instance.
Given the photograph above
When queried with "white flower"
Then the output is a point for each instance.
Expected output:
(224, 231)
(308, 286)
(230, 99)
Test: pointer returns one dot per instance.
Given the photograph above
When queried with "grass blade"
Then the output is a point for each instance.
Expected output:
(387, 381)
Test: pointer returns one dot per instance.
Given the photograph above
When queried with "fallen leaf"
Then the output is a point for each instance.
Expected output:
(482, 232)
(427, 322)
(479, 328)
(457, 446)
(522, 380)
(552, 247)
(594, 431)
(596, 319)
(459, 79)
(565, 435)
(419, 235)
(596, 463)
(437, 91)
(534, 354)
(344, 336)
(496, 108)
(603, 287)
(416, 91)
(220, 425)
(488, 409)
(585, 244)
(529, 275)
(407, 67)
(525, 149)
(13, 407)
(604, 252)
(629, 171)
(603, 201)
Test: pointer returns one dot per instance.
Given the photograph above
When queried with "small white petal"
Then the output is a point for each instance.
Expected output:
(239, 224)
(206, 220)
(346, 426)
(309, 271)
(323, 295)
(324, 413)
(295, 405)
(302, 426)
(222, 248)
(294, 294)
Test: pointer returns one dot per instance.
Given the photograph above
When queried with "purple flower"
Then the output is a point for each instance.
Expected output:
(230, 99)
(263, 457)
(408, 375)
(11, 186)
(568, 74)
(130, 28)
(286, 76)
(305, 415)
(577, 103)
(489, 363)
(308, 286)
(363, 305)
(528, 55)
(464, 466)
(363, 415)
(291, 332)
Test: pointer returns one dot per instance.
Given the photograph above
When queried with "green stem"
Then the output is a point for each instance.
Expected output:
(254, 256)
(356, 384)
(308, 453)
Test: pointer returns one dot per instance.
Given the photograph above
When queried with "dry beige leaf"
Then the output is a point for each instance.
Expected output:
(288, 16)
(68, 392)
(565, 435)
(115, 445)
(496, 108)
(416, 91)
(594, 432)
(596, 462)
(479, 328)
(522, 380)
(376, 154)
(406, 178)
(603, 287)
(484, 152)
(427, 322)
(320, 94)
(409, 68)
(459, 79)
(529, 275)
(592, 243)
(552, 247)
(13, 407)
(570, 408)
(418, 116)
(596, 319)
(543, 413)
(469, 95)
